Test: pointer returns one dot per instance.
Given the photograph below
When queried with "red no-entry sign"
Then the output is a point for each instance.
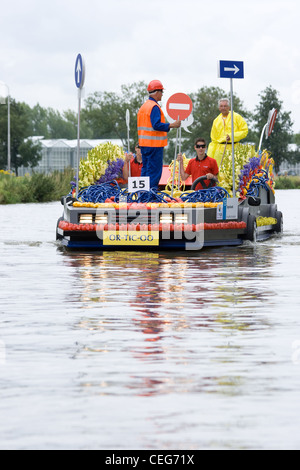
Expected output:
(271, 121)
(179, 106)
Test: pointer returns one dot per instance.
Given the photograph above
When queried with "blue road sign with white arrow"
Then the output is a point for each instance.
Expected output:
(231, 69)
(79, 71)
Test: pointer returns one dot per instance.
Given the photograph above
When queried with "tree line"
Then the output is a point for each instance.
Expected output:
(103, 117)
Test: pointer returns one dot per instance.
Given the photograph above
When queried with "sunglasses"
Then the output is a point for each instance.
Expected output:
(203, 146)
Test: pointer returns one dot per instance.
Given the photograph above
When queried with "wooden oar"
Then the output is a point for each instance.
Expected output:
(128, 142)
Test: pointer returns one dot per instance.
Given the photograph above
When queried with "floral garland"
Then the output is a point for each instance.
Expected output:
(260, 165)
(248, 165)
(113, 171)
(103, 163)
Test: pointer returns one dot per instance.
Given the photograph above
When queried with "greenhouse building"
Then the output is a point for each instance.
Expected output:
(61, 153)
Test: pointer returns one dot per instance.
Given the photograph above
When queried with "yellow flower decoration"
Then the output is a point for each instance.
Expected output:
(94, 166)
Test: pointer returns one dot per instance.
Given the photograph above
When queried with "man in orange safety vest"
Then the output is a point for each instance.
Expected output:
(152, 132)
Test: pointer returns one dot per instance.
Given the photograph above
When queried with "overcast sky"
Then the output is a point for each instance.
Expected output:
(122, 41)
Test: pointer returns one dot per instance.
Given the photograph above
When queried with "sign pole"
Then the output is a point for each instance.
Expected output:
(174, 168)
(78, 142)
(8, 134)
(180, 107)
(232, 138)
(261, 137)
(179, 166)
(79, 81)
(231, 69)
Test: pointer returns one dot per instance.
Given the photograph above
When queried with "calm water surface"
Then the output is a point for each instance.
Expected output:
(148, 351)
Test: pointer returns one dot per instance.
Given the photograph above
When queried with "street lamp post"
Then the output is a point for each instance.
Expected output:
(8, 128)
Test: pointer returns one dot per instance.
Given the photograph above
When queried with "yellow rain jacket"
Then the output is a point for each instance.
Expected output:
(219, 131)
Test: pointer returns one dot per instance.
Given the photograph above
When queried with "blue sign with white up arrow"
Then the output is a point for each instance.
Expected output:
(79, 71)
(231, 69)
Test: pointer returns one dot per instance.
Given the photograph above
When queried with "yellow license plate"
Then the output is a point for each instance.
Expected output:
(131, 238)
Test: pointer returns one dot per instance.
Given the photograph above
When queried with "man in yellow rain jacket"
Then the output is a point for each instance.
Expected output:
(221, 131)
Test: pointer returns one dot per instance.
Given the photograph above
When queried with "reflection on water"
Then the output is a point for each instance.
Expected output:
(162, 306)
(126, 350)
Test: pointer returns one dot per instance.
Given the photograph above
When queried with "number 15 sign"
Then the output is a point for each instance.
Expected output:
(138, 184)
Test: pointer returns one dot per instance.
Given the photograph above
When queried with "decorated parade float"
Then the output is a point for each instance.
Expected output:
(104, 214)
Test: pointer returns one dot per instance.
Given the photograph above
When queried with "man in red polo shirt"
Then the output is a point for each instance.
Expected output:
(202, 165)
(136, 164)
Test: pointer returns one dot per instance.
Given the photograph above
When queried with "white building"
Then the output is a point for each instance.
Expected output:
(62, 153)
(288, 168)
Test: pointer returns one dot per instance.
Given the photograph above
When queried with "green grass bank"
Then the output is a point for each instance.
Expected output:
(287, 182)
(35, 188)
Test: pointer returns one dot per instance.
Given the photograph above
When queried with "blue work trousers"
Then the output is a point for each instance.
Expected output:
(152, 164)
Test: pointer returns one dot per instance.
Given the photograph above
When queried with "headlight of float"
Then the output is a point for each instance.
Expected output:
(181, 218)
(101, 219)
(86, 218)
(166, 219)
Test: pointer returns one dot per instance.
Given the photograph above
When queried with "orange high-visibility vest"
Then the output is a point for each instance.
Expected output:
(148, 137)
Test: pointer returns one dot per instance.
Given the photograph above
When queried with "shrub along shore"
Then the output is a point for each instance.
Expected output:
(48, 188)
(287, 182)
(35, 188)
